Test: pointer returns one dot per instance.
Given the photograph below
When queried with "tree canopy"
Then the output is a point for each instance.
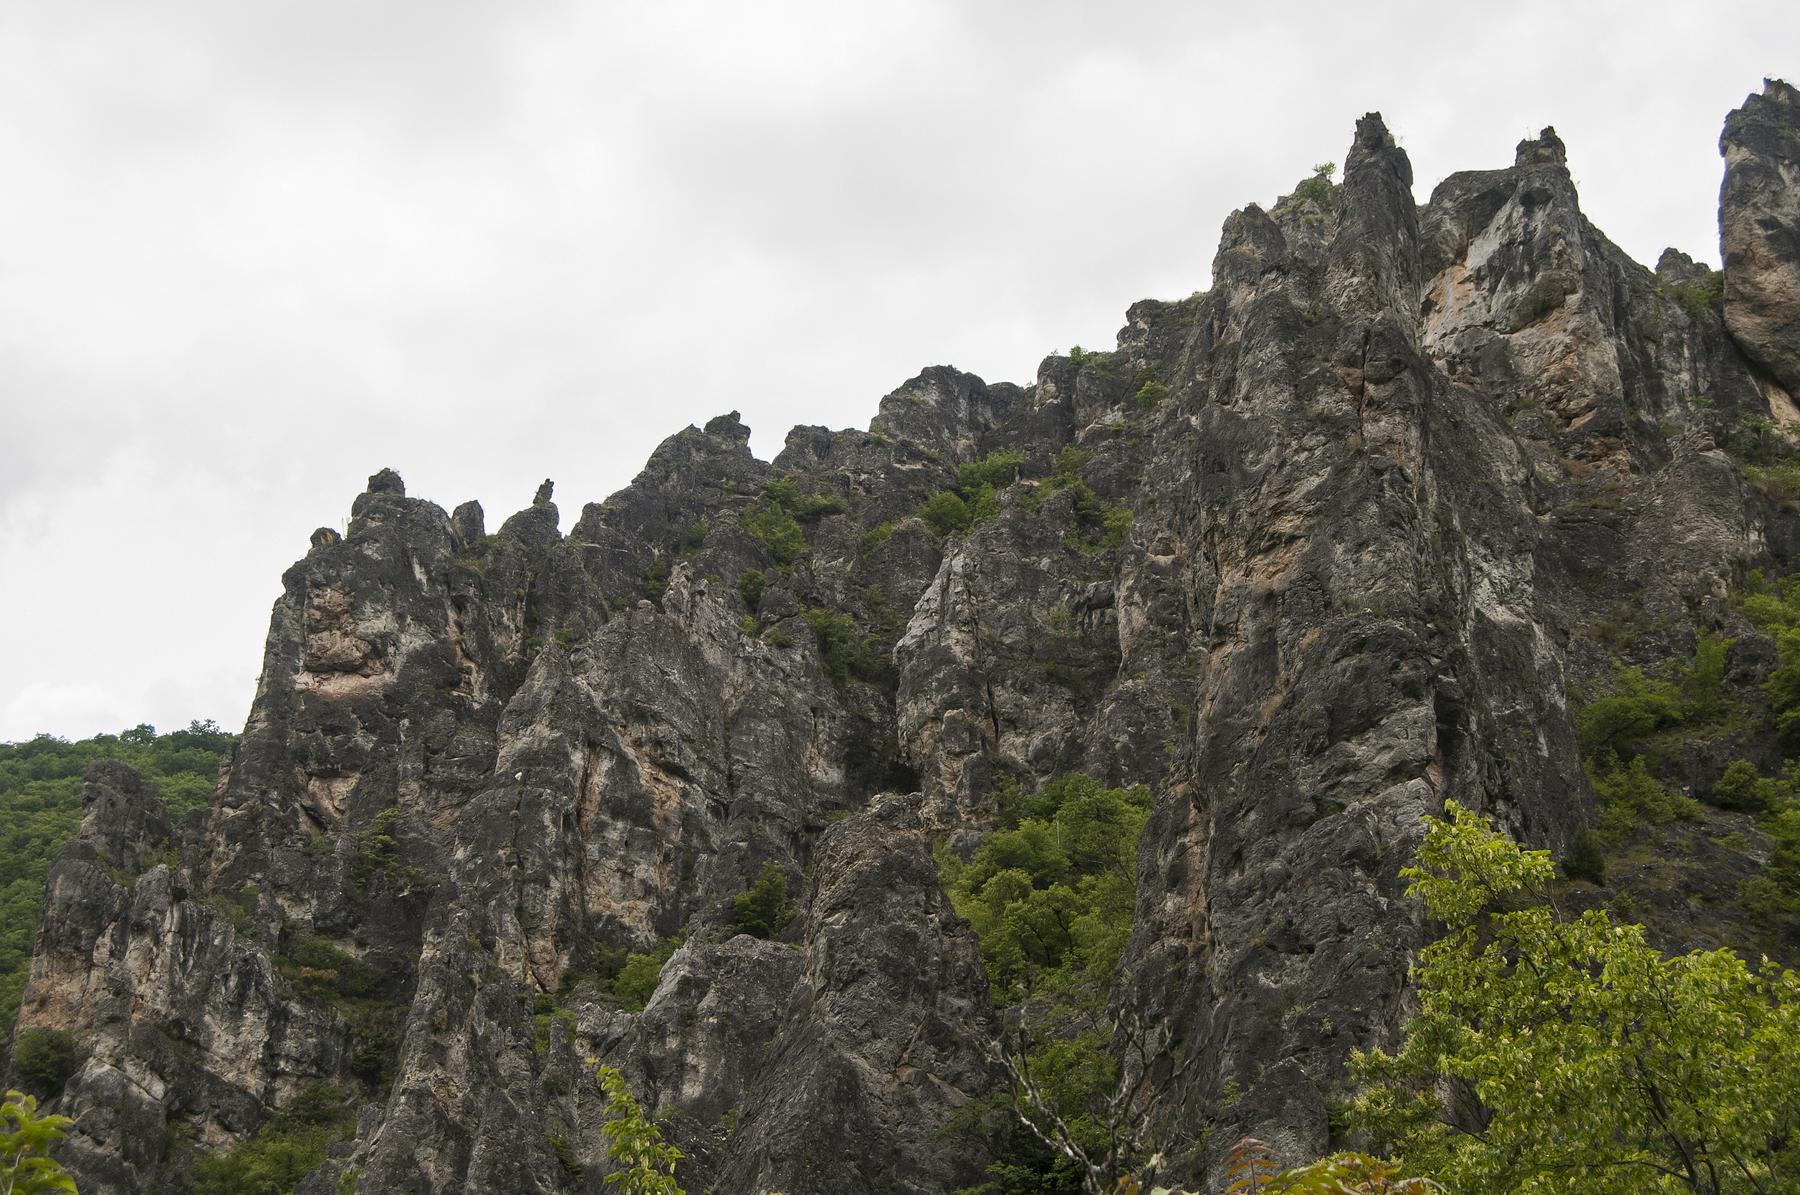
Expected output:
(1555, 1054)
(40, 809)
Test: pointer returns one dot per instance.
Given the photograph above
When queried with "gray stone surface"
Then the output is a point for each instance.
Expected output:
(1395, 470)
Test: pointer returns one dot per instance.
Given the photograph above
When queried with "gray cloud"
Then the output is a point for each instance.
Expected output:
(257, 251)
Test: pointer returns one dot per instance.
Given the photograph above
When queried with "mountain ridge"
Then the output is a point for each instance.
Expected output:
(1306, 555)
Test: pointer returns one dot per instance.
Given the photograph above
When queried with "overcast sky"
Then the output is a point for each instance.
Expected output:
(254, 251)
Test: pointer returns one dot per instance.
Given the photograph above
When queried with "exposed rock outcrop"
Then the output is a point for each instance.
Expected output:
(1759, 230)
(1306, 555)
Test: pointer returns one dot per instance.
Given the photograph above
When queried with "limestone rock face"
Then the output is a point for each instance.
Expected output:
(1759, 230)
(1306, 555)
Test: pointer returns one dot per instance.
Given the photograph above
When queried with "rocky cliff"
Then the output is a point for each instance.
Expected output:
(1305, 554)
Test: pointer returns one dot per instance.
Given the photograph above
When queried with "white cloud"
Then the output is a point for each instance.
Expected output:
(260, 251)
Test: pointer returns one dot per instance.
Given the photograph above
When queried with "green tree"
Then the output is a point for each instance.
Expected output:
(1251, 1168)
(763, 909)
(637, 977)
(40, 810)
(946, 513)
(776, 529)
(1050, 897)
(1317, 187)
(44, 1059)
(26, 1167)
(285, 1150)
(1554, 1054)
(647, 1162)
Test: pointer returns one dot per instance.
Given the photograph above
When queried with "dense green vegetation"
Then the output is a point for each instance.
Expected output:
(1768, 458)
(1049, 894)
(845, 651)
(1316, 188)
(284, 1151)
(1566, 1054)
(974, 499)
(1633, 738)
(43, 1060)
(750, 588)
(1623, 737)
(778, 518)
(1150, 394)
(763, 910)
(646, 1162)
(1695, 295)
(636, 979)
(25, 1141)
(1096, 524)
(40, 809)
(1251, 1169)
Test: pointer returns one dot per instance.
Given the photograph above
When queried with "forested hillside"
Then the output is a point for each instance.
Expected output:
(40, 808)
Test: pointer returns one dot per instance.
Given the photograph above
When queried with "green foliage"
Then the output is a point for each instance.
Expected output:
(1614, 732)
(1775, 609)
(1150, 394)
(656, 580)
(284, 1151)
(566, 1161)
(1051, 898)
(1630, 795)
(1317, 187)
(1066, 469)
(44, 1059)
(646, 1162)
(543, 1022)
(321, 970)
(1778, 481)
(775, 519)
(1556, 1054)
(1095, 525)
(806, 508)
(763, 909)
(777, 531)
(1773, 894)
(636, 981)
(40, 810)
(1586, 859)
(1700, 682)
(1743, 787)
(378, 857)
(875, 536)
(946, 514)
(975, 499)
(997, 469)
(750, 588)
(1017, 1162)
(25, 1140)
(844, 650)
(324, 972)
(1251, 1169)
(1695, 295)
(1770, 463)
(1620, 722)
